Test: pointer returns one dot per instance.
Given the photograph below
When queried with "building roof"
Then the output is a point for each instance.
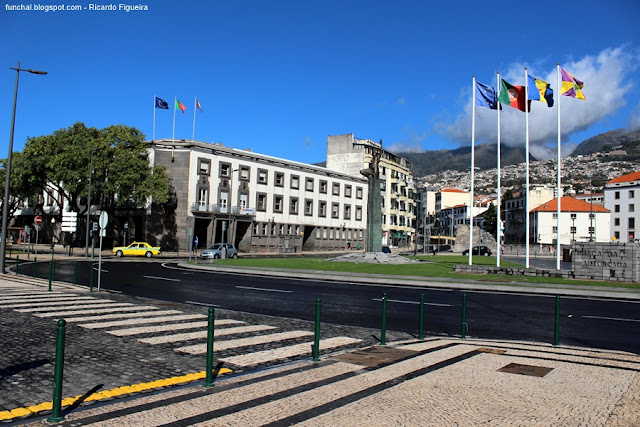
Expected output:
(633, 176)
(569, 204)
(452, 190)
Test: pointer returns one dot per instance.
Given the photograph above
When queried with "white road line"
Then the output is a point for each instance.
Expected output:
(105, 325)
(285, 352)
(121, 315)
(244, 342)
(250, 288)
(65, 300)
(32, 297)
(414, 302)
(612, 318)
(112, 308)
(203, 334)
(161, 278)
(170, 327)
(60, 305)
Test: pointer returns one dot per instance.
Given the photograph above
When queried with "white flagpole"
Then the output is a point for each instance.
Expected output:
(154, 117)
(473, 142)
(499, 246)
(173, 137)
(559, 187)
(195, 103)
(526, 202)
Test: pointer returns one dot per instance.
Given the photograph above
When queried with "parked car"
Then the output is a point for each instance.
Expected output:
(479, 250)
(137, 249)
(386, 250)
(215, 251)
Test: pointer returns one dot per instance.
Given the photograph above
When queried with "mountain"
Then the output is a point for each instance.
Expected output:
(428, 162)
(619, 139)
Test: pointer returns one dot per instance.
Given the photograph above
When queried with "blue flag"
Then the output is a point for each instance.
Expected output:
(162, 104)
(540, 90)
(486, 96)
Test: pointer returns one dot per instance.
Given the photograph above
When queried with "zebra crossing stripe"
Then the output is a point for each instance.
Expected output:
(89, 305)
(244, 342)
(113, 308)
(286, 352)
(104, 325)
(32, 297)
(65, 301)
(121, 315)
(171, 327)
(203, 334)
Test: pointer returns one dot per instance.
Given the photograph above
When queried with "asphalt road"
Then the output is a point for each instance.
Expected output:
(590, 322)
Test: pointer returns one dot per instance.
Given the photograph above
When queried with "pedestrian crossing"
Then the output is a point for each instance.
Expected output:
(242, 344)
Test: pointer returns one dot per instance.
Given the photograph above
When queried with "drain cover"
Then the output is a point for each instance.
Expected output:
(533, 371)
(373, 357)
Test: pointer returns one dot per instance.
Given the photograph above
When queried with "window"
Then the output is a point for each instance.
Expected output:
(358, 213)
(295, 182)
(322, 209)
(273, 229)
(202, 199)
(323, 186)
(591, 230)
(347, 211)
(555, 229)
(308, 207)
(335, 210)
(277, 203)
(573, 230)
(293, 205)
(244, 173)
(574, 216)
(616, 222)
(204, 166)
(281, 229)
(336, 189)
(261, 202)
(256, 228)
(263, 176)
(225, 170)
(347, 191)
(632, 223)
(308, 184)
(632, 208)
(224, 198)
(632, 194)
(616, 195)
(616, 208)
(359, 193)
(279, 179)
(617, 235)
(265, 228)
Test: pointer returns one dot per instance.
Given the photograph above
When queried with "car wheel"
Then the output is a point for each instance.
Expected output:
(487, 254)
(148, 254)
(119, 254)
(234, 256)
(216, 256)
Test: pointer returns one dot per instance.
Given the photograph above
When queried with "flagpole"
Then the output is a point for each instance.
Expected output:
(173, 137)
(559, 187)
(154, 117)
(473, 142)
(526, 202)
(195, 103)
(498, 248)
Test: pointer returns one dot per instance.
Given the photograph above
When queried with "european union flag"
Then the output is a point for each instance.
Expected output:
(486, 96)
(162, 104)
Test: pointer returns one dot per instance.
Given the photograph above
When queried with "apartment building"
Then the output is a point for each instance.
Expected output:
(621, 195)
(514, 210)
(350, 155)
(260, 203)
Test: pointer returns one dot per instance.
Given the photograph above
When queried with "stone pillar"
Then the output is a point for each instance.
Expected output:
(373, 240)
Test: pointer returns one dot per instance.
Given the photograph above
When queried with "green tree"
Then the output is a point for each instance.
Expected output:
(491, 220)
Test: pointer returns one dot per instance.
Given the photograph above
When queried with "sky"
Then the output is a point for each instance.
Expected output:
(279, 76)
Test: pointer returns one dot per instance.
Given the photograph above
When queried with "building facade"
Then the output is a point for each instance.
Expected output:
(257, 202)
(514, 211)
(621, 195)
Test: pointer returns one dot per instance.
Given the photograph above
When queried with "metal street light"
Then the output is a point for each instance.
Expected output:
(5, 204)
(86, 243)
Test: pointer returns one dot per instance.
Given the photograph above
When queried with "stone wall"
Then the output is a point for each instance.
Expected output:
(613, 261)
(480, 238)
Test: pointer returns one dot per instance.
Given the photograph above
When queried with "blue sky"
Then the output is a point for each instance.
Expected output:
(279, 76)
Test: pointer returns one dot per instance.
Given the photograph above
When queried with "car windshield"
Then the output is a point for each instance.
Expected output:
(216, 246)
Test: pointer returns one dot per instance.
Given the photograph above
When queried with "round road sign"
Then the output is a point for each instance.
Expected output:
(38, 219)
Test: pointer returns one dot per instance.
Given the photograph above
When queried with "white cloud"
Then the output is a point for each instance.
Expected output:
(413, 144)
(605, 85)
(401, 101)
(634, 118)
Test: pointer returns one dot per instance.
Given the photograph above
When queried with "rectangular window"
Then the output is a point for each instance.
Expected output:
(293, 205)
(273, 229)
(616, 222)
(616, 195)
(322, 209)
(265, 228)
(261, 202)
(632, 207)
(347, 212)
(573, 230)
(359, 193)
(295, 182)
(632, 194)
(244, 173)
(617, 235)
(308, 184)
(323, 186)
(204, 167)
(256, 228)
(555, 229)
(277, 203)
(225, 170)
(616, 208)
(358, 213)
(347, 191)
(336, 189)
(632, 223)
(281, 229)
(574, 216)
(263, 176)
(591, 230)
(335, 210)
(308, 207)
(279, 179)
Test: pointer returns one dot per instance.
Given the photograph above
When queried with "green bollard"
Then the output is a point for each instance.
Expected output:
(17, 263)
(383, 328)
(210, 330)
(421, 328)
(464, 315)
(556, 332)
(49, 276)
(53, 271)
(35, 266)
(56, 414)
(75, 272)
(90, 278)
(316, 340)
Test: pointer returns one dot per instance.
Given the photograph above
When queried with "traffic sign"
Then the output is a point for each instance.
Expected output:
(69, 221)
(103, 220)
(38, 219)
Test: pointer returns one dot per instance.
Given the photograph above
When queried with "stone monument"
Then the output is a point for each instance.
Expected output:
(373, 241)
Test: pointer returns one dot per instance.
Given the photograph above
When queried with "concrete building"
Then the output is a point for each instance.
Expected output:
(620, 196)
(579, 222)
(514, 213)
(350, 155)
(259, 203)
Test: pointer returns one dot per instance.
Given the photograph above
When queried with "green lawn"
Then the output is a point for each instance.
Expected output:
(439, 266)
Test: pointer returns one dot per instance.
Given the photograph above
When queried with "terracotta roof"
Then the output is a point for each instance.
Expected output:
(633, 176)
(451, 190)
(569, 204)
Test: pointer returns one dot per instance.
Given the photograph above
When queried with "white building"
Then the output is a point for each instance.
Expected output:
(620, 195)
(514, 214)
(579, 221)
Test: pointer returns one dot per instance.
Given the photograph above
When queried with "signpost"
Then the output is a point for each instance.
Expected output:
(102, 222)
(70, 224)
(38, 221)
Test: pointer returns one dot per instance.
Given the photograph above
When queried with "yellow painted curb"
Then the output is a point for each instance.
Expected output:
(105, 394)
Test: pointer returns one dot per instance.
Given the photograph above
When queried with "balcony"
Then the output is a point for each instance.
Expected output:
(220, 209)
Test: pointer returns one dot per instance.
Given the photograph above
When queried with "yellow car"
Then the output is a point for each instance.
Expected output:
(137, 249)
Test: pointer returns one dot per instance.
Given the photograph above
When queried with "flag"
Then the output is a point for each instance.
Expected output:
(198, 105)
(180, 106)
(540, 90)
(571, 86)
(512, 95)
(162, 104)
(486, 96)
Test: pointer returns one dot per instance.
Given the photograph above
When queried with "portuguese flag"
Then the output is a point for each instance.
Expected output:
(512, 95)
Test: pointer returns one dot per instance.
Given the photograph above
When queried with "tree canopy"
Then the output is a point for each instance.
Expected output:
(60, 162)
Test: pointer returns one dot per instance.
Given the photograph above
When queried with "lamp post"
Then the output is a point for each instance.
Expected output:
(86, 244)
(5, 203)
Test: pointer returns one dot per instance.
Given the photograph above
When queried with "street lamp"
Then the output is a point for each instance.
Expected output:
(5, 203)
(86, 244)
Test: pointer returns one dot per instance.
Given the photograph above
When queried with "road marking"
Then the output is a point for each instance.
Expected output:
(203, 334)
(611, 318)
(170, 327)
(414, 302)
(105, 325)
(263, 289)
(201, 303)
(244, 342)
(161, 278)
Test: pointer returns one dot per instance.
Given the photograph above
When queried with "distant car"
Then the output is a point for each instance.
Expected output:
(215, 251)
(137, 249)
(479, 250)
(386, 250)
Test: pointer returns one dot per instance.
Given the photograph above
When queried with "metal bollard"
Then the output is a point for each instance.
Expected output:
(17, 263)
(50, 262)
(421, 328)
(75, 272)
(316, 339)
(53, 271)
(210, 330)
(464, 316)
(35, 266)
(56, 414)
(90, 278)
(556, 332)
(383, 327)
